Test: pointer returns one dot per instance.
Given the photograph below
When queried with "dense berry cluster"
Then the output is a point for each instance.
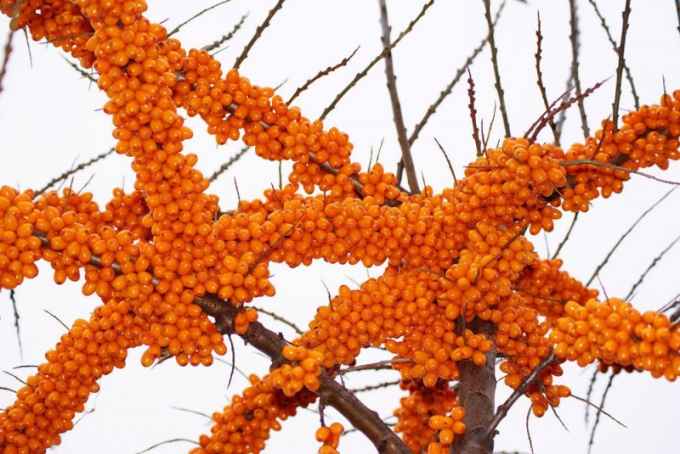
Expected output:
(155, 254)
(422, 415)
(245, 424)
(616, 333)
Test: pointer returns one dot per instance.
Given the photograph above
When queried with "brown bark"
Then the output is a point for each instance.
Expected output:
(476, 393)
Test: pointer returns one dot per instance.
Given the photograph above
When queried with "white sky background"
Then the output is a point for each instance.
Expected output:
(49, 120)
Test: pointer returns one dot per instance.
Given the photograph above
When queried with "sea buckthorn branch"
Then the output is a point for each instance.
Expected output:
(502, 410)
(225, 318)
(615, 333)
(406, 156)
(421, 413)
(331, 392)
(466, 245)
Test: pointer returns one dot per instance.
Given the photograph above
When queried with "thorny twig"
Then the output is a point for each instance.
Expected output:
(447, 91)
(599, 412)
(651, 265)
(625, 234)
(373, 62)
(321, 74)
(619, 70)
(629, 76)
(71, 172)
(258, 34)
(473, 114)
(228, 164)
(574, 38)
(496, 71)
(217, 43)
(195, 16)
(539, 79)
(5, 59)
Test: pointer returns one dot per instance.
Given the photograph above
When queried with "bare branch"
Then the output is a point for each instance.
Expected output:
(373, 62)
(449, 88)
(217, 43)
(625, 234)
(406, 157)
(539, 78)
(496, 72)
(566, 237)
(5, 59)
(652, 265)
(503, 409)
(71, 172)
(321, 74)
(199, 14)
(228, 164)
(448, 161)
(619, 70)
(629, 76)
(258, 33)
(473, 114)
(574, 38)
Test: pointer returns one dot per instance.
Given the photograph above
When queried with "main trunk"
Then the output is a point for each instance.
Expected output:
(476, 394)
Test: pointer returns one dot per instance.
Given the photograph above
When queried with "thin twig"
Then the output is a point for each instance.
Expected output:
(626, 233)
(321, 74)
(12, 297)
(587, 402)
(503, 409)
(448, 161)
(5, 59)
(599, 412)
(200, 13)
(473, 113)
(574, 38)
(258, 33)
(80, 71)
(228, 164)
(68, 173)
(373, 62)
(449, 88)
(279, 318)
(374, 387)
(629, 76)
(188, 410)
(406, 157)
(539, 78)
(218, 42)
(619, 70)
(566, 237)
(563, 106)
(496, 71)
(174, 440)
(651, 265)
(56, 318)
(591, 387)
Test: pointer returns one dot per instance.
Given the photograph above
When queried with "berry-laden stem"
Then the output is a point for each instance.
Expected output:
(476, 394)
(332, 393)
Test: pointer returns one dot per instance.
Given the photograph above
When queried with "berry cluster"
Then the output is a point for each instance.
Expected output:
(245, 424)
(330, 437)
(616, 333)
(422, 415)
(152, 256)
